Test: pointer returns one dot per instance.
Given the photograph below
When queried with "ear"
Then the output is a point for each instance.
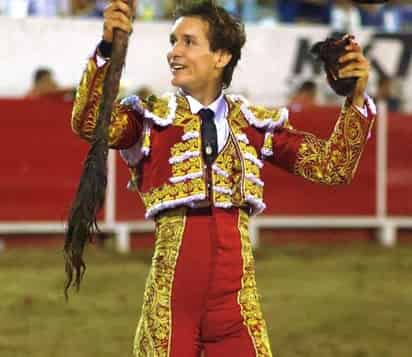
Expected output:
(223, 57)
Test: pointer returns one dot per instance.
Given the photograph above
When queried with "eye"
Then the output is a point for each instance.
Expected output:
(172, 40)
(188, 41)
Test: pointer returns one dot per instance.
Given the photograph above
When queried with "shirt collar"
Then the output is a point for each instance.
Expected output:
(218, 106)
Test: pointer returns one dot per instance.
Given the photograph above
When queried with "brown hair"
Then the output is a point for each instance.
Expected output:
(225, 31)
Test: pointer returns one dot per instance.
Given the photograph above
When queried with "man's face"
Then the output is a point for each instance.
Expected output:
(195, 68)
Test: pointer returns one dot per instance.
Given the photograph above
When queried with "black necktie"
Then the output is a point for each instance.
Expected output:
(209, 135)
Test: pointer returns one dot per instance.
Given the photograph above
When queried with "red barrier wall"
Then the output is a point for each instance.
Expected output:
(41, 163)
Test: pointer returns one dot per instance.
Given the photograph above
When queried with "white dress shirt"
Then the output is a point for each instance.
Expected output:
(220, 108)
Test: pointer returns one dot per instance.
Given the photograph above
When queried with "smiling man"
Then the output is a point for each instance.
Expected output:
(195, 157)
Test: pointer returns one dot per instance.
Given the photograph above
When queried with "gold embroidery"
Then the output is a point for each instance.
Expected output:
(248, 298)
(87, 99)
(236, 118)
(174, 194)
(189, 166)
(261, 117)
(250, 188)
(254, 190)
(251, 168)
(262, 113)
(118, 124)
(180, 148)
(184, 118)
(187, 162)
(226, 161)
(86, 106)
(159, 106)
(268, 143)
(171, 192)
(153, 335)
(146, 140)
(334, 161)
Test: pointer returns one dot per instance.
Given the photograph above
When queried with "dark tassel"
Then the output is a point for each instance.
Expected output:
(82, 218)
(90, 194)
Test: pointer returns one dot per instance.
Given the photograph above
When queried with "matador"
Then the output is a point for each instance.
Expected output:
(196, 158)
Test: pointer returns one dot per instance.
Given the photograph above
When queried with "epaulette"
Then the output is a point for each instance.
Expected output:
(259, 116)
(160, 111)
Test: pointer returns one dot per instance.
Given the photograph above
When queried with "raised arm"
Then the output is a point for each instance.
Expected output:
(332, 161)
(335, 160)
(126, 123)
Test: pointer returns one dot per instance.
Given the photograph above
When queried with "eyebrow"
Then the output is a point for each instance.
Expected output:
(173, 37)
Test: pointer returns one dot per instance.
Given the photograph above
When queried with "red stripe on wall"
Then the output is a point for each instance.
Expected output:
(41, 163)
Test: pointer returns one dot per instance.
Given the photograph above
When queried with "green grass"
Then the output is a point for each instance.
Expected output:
(339, 301)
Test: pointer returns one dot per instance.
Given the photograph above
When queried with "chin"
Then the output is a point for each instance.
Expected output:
(179, 84)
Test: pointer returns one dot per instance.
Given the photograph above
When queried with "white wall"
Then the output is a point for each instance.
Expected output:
(264, 73)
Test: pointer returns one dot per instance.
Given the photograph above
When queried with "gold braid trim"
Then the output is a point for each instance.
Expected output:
(153, 335)
(86, 106)
(334, 161)
(159, 106)
(262, 113)
(225, 161)
(248, 298)
(173, 195)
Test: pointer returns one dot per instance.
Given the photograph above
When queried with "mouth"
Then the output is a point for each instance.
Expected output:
(176, 67)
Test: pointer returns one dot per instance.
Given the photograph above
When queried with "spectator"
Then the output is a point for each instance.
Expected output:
(345, 17)
(387, 18)
(99, 7)
(311, 11)
(84, 8)
(49, 7)
(314, 11)
(44, 85)
(372, 15)
(288, 10)
(393, 17)
(386, 92)
(304, 97)
(150, 9)
(249, 10)
(22, 8)
(144, 92)
(231, 6)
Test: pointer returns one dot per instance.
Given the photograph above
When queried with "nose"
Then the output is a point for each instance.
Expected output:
(174, 52)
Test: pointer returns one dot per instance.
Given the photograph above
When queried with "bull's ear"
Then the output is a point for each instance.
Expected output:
(328, 52)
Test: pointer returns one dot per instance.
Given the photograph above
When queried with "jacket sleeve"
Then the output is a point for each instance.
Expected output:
(126, 123)
(332, 161)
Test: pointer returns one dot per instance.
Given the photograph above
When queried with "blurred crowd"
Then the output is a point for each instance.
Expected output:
(342, 15)
(305, 95)
(308, 94)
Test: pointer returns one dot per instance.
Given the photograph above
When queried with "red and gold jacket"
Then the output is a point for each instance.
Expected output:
(160, 140)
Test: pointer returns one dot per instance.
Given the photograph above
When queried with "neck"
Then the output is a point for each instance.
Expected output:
(205, 97)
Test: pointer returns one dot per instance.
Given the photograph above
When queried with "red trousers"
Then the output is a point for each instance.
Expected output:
(201, 298)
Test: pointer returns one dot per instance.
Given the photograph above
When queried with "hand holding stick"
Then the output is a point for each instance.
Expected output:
(90, 194)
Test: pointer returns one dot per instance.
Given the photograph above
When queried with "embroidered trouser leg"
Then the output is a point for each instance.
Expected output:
(201, 291)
